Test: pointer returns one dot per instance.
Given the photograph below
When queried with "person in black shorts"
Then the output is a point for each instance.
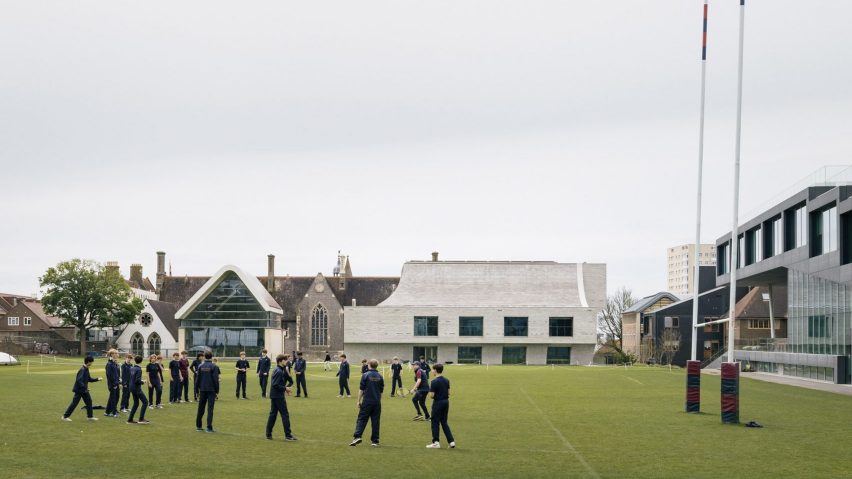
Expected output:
(440, 393)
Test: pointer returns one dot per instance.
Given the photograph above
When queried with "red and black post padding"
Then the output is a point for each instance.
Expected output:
(731, 393)
(693, 386)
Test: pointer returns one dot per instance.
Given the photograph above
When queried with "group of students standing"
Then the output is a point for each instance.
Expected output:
(128, 380)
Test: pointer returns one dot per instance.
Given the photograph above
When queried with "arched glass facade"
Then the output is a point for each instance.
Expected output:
(228, 320)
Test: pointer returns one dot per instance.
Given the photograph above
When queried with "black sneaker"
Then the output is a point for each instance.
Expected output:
(199, 429)
(355, 441)
(132, 422)
(374, 444)
(290, 438)
(269, 437)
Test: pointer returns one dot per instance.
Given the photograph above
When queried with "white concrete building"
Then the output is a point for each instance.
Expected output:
(500, 312)
(680, 262)
(155, 331)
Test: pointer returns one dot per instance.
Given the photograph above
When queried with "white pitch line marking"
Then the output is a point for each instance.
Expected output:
(565, 441)
(634, 380)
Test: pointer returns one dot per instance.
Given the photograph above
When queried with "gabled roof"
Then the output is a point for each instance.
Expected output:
(752, 304)
(38, 310)
(166, 312)
(267, 302)
(644, 303)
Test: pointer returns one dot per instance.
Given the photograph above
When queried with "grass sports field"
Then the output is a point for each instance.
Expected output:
(526, 421)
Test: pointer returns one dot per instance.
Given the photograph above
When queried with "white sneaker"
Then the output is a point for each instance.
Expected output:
(93, 419)
(339, 396)
(452, 445)
(434, 445)
(66, 419)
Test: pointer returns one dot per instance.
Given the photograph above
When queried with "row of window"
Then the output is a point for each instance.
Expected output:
(782, 233)
(512, 326)
(514, 355)
(15, 321)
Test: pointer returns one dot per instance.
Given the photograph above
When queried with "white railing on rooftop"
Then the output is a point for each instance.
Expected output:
(832, 175)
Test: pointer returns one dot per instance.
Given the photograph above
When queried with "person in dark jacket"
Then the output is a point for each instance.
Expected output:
(440, 393)
(364, 367)
(396, 379)
(135, 383)
(369, 404)
(242, 370)
(113, 375)
(194, 368)
(125, 378)
(176, 379)
(208, 391)
(184, 373)
(343, 376)
(263, 365)
(81, 391)
(281, 382)
(301, 368)
(420, 391)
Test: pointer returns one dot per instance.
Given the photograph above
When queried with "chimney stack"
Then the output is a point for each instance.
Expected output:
(136, 274)
(112, 265)
(161, 270)
(434, 256)
(270, 275)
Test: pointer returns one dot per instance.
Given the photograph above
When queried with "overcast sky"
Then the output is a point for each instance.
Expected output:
(220, 132)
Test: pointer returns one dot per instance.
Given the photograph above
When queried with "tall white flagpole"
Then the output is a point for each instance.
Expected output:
(734, 229)
(696, 273)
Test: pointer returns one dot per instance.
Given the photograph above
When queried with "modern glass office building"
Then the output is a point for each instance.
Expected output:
(230, 314)
(804, 243)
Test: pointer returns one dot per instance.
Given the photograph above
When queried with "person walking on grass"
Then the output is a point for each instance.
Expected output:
(281, 382)
(135, 383)
(326, 365)
(81, 391)
(420, 390)
(263, 366)
(396, 378)
(343, 376)
(440, 393)
(125, 382)
(242, 367)
(369, 404)
(208, 391)
(113, 376)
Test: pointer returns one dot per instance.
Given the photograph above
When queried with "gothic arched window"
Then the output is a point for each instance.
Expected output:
(319, 326)
(154, 343)
(137, 345)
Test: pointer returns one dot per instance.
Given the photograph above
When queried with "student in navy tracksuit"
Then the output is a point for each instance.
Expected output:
(135, 383)
(125, 384)
(369, 404)
(184, 374)
(113, 375)
(281, 382)
(364, 367)
(176, 379)
(421, 389)
(155, 381)
(300, 368)
(397, 375)
(242, 368)
(81, 391)
(208, 391)
(194, 367)
(343, 376)
(440, 393)
(263, 365)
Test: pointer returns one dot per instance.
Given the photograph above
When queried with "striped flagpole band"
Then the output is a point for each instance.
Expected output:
(704, 37)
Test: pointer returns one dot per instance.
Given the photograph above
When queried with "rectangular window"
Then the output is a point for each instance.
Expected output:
(13, 321)
(723, 259)
(777, 237)
(741, 251)
(818, 327)
(758, 324)
(824, 231)
(470, 326)
(28, 321)
(425, 325)
(470, 354)
(846, 237)
(514, 355)
(561, 326)
(430, 353)
(753, 246)
(558, 355)
(515, 326)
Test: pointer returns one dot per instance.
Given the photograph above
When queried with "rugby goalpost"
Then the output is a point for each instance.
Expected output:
(730, 369)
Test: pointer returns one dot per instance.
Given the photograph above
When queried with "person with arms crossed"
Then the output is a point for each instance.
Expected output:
(369, 404)
(81, 391)
(281, 382)
(113, 376)
(440, 393)
(300, 368)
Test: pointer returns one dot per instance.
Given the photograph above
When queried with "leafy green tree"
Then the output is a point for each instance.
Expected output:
(86, 295)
